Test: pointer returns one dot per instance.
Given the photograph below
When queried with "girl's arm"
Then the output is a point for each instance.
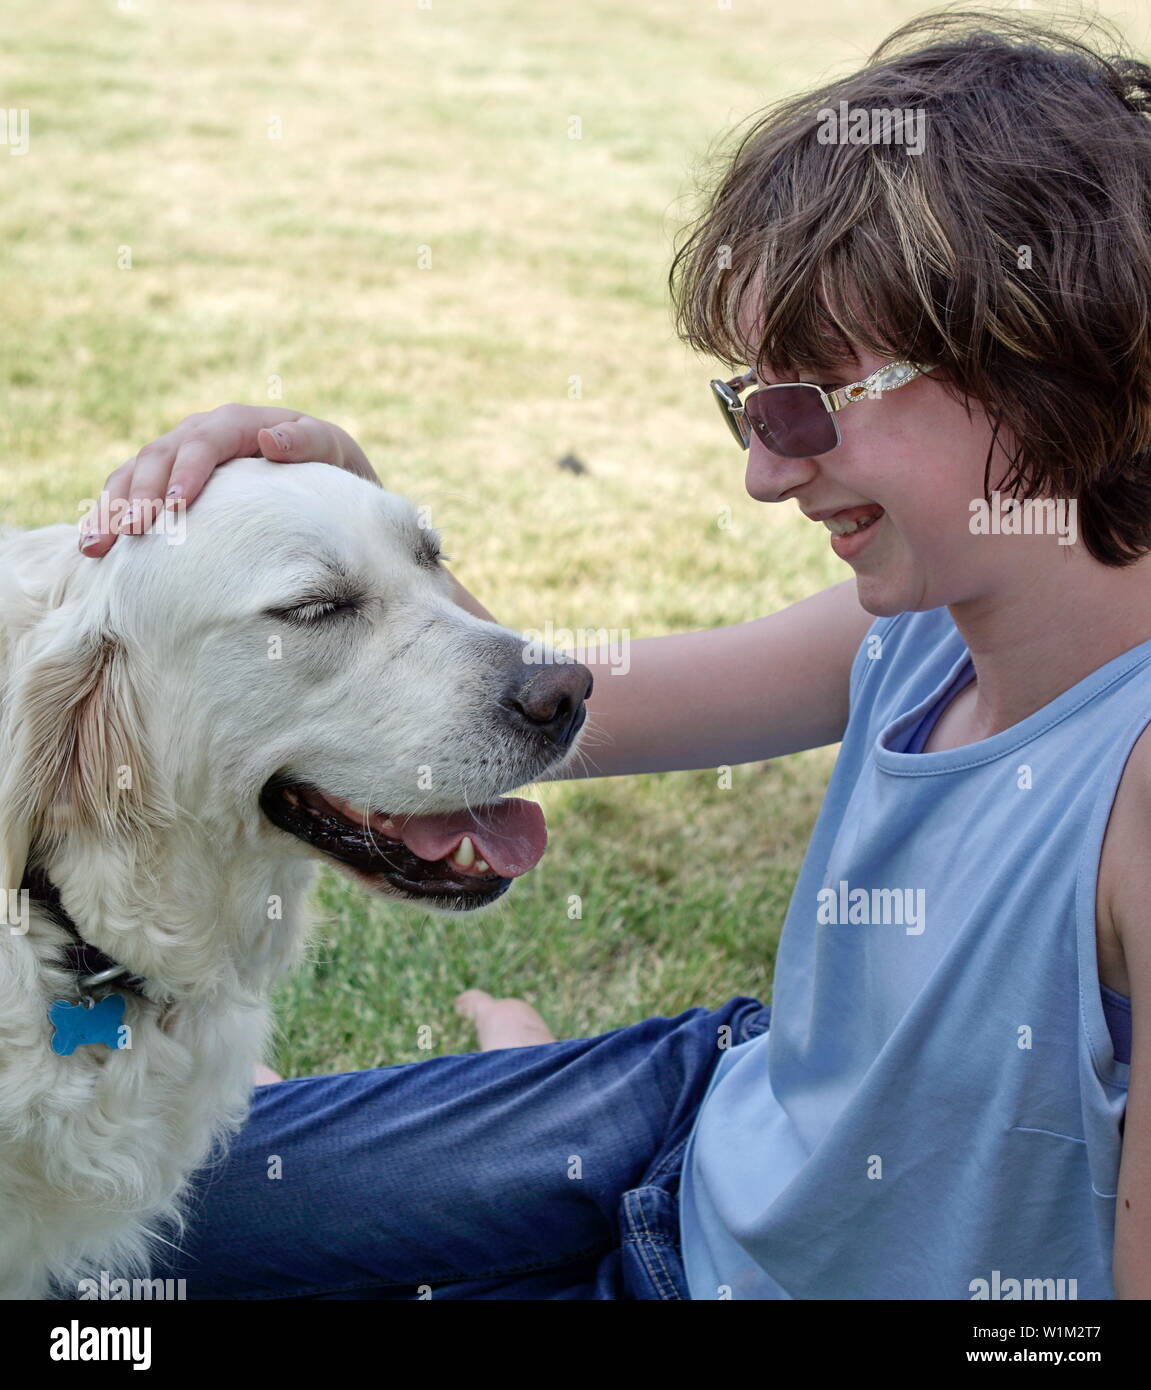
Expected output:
(1130, 910)
(725, 695)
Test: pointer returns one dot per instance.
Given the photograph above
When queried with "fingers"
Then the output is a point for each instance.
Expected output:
(97, 533)
(176, 466)
(306, 439)
(134, 493)
(128, 503)
(152, 479)
(196, 459)
(171, 471)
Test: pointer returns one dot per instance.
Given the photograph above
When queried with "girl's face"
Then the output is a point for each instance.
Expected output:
(917, 454)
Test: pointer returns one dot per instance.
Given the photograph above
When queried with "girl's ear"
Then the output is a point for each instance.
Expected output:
(72, 756)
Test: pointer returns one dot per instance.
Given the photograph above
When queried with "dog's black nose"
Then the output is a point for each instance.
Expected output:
(550, 700)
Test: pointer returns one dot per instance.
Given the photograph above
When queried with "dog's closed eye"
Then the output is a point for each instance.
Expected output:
(316, 608)
(428, 552)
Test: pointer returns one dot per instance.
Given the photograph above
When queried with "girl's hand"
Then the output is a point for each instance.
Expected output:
(178, 464)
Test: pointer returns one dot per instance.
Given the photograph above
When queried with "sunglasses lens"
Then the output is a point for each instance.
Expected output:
(792, 421)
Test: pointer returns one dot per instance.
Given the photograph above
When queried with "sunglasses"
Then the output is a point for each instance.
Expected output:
(797, 419)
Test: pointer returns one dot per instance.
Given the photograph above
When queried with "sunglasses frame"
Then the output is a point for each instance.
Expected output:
(889, 377)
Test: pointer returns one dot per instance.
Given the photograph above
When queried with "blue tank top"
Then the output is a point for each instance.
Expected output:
(937, 1107)
(1116, 1006)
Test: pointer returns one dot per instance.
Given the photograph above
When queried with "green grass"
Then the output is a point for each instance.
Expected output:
(295, 258)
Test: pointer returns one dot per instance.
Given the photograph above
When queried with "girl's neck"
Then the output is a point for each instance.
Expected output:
(1029, 648)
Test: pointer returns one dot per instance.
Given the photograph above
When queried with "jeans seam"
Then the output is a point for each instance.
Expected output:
(656, 1266)
(651, 1245)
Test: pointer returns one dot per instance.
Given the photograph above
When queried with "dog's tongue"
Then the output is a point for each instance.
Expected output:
(510, 834)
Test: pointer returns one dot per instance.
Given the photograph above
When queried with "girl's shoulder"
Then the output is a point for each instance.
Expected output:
(1123, 899)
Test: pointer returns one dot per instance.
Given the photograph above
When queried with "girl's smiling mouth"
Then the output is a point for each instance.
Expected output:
(853, 519)
(847, 546)
(850, 526)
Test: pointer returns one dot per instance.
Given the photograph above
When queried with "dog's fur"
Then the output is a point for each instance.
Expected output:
(143, 709)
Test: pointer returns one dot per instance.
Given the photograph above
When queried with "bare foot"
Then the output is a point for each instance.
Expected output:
(264, 1076)
(503, 1022)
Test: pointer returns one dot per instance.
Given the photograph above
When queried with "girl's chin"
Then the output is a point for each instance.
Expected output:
(879, 605)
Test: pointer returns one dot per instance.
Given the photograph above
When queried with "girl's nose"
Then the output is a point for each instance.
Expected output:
(770, 477)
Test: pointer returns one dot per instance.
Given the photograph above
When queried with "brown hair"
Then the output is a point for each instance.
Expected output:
(1036, 146)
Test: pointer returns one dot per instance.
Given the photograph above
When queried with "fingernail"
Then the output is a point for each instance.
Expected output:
(86, 539)
(173, 495)
(281, 438)
(130, 518)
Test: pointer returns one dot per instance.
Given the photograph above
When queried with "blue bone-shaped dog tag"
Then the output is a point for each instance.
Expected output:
(77, 1025)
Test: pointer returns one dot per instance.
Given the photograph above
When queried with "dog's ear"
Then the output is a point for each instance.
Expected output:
(72, 745)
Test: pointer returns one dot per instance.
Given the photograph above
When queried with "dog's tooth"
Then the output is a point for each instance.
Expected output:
(292, 798)
(358, 815)
(465, 855)
(482, 866)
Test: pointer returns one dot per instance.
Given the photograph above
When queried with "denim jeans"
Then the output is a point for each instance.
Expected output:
(528, 1172)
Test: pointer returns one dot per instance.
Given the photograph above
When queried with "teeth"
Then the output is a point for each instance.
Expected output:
(346, 809)
(482, 866)
(358, 815)
(841, 527)
(465, 855)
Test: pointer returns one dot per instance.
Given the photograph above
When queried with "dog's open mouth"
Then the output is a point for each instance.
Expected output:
(457, 859)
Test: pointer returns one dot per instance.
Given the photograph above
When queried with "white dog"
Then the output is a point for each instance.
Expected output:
(186, 730)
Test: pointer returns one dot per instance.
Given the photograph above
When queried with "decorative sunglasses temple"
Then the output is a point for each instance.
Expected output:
(887, 378)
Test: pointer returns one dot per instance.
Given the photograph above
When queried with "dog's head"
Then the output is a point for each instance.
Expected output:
(292, 676)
